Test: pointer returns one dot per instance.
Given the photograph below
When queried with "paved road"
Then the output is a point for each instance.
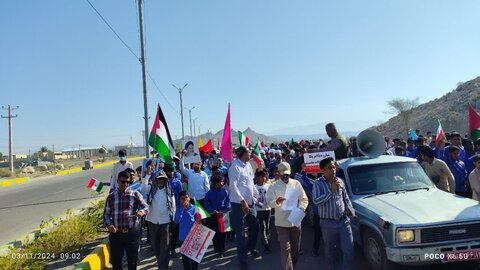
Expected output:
(271, 261)
(23, 207)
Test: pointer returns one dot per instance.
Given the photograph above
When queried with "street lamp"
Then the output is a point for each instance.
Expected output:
(180, 90)
(194, 131)
(190, 114)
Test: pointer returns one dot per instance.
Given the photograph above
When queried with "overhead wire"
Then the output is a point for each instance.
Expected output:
(131, 51)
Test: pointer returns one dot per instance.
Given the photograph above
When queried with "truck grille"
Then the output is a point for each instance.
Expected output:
(450, 233)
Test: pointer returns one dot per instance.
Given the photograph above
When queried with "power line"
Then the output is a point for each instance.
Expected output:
(134, 54)
(113, 30)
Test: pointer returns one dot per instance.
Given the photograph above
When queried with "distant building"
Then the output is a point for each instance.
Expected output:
(131, 150)
(83, 152)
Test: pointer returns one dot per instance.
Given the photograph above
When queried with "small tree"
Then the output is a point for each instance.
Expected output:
(43, 149)
(403, 107)
(1, 156)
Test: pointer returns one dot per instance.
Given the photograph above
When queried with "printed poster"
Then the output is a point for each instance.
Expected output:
(197, 242)
(313, 158)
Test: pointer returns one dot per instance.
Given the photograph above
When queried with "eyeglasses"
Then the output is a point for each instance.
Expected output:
(126, 182)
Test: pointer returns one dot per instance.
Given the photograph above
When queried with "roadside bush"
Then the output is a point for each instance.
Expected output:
(5, 172)
(68, 235)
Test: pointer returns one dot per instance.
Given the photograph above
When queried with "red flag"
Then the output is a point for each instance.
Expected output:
(207, 148)
(223, 222)
(302, 143)
(227, 145)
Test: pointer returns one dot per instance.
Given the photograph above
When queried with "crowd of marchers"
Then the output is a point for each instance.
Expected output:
(162, 197)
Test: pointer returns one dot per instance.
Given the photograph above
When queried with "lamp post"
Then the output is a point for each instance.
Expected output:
(180, 90)
(194, 131)
(190, 114)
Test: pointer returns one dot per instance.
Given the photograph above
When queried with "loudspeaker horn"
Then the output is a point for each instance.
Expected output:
(371, 143)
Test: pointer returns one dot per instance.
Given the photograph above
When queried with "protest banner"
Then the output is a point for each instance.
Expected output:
(313, 158)
(197, 242)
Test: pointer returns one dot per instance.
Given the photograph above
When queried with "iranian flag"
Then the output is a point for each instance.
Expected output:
(256, 155)
(440, 133)
(473, 123)
(95, 185)
(244, 140)
(223, 220)
(199, 210)
(160, 138)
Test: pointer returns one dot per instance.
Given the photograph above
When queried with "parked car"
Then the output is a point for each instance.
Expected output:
(401, 217)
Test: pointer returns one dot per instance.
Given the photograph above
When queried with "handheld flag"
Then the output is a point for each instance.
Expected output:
(440, 134)
(95, 185)
(256, 156)
(473, 123)
(207, 148)
(226, 151)
(223, 220)
(200, 210)
(200, 142)
(160, 138)
(244, 140)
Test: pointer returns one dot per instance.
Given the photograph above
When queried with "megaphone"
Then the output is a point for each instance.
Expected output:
(371, 143)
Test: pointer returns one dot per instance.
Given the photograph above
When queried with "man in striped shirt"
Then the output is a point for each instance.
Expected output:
(335, 210)
(123, 209)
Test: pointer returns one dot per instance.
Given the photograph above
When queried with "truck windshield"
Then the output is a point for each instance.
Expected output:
(384, 178)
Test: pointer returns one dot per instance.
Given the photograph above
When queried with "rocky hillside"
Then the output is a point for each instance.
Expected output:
(451, 110)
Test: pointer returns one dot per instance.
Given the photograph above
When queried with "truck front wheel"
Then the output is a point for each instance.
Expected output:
(374, 252)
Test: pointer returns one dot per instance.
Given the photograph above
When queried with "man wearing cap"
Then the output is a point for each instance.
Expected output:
(120, 166)
(274, 163)
(242, 197)
(161, 202)
(334, 210)
(288, 234)
(338, 142)
(123, 210)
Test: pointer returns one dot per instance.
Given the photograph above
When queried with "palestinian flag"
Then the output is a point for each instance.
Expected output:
(223, 220)
(160, 138)
(244, 140)
(440, 133)
(256, 155)
(200, 210)
(95, 185)
(473, 123)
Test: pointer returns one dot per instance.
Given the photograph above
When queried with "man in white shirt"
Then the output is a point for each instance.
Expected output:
(198, 181)
(242, 198)
(161, 202)
(289, 235)
(120, 166)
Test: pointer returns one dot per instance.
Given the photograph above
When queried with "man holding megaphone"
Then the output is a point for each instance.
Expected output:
(335, 210)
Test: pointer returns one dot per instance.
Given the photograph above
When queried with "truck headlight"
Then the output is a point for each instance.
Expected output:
(406, 236)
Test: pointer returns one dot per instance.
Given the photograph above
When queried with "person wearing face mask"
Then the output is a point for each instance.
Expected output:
(289, 235)
(120, 166)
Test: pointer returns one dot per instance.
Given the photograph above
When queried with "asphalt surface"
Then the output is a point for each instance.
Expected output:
(271, 261)
(23, 207)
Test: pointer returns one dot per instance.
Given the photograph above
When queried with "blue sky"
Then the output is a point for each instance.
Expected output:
(280, 64)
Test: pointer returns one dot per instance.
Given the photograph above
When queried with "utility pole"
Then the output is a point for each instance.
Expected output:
(143, 136)
(190, 114)
(180, 90)
(199, 133)
(194, 127)
(10, 116)
(54, 161)
(144, 76)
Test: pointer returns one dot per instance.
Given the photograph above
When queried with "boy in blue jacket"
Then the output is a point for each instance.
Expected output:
(217, 202)
(185, 217)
